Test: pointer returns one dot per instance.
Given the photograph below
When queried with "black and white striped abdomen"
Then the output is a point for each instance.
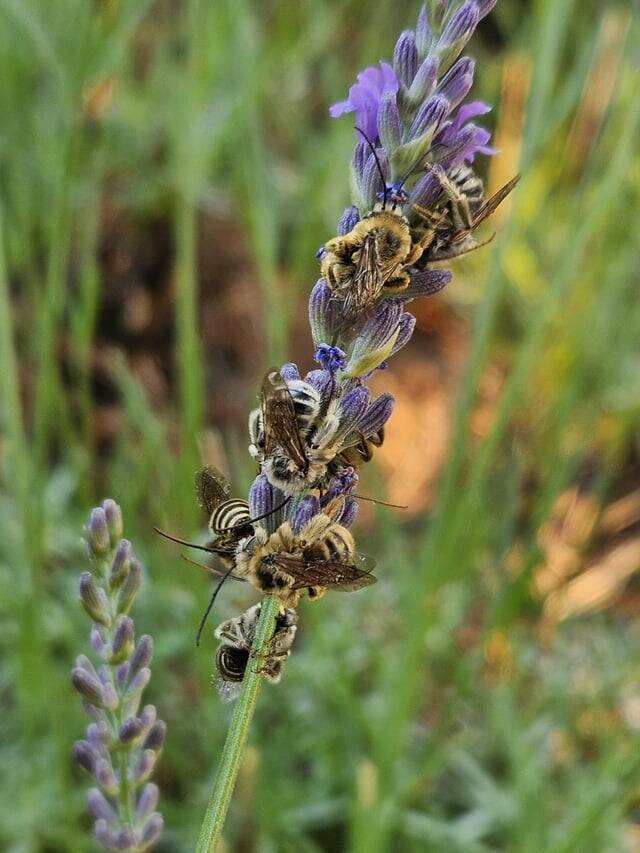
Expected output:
(232, 513)
(468, 183)
(306, 401)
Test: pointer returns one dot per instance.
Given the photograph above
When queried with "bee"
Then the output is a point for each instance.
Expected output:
(360, 451)
(465, 208)
(236, 638)
(321, 556)
(293, 437)
(229, 518)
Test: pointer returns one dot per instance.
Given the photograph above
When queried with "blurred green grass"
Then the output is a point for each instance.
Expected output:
(389, 732)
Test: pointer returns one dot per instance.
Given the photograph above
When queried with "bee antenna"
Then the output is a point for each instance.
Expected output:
(257, 518)
(375, 156)
(382, 503)
(209, 569)
(206, 613)
(191, 544)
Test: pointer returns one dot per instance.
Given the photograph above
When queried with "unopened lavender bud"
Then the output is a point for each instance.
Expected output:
(155, 736)
(127, 839)
(289, 372)
(148, 716)
(144, 766)
(152, 830)
(86, 755)
(120, 564)
(130, 730)
(94, 600)
(426, 283)
(99, 806)
(429, 117)
(105, 835)
(123, 640)
(405, 57)
(389, 124)
(130, 587)
(122, 673)
(97, 534)
(113, 515)
(485, 6)
(106, 778)
(264, 500)
(97, 641)
(110, 698)
(324, 313)
(99, 735)
(405, 330)
(426, 191)
(147, 801)
(348, 220)
(457, 33)
(424, 81)
(372, 184)
(375, 340)
(423, 34)
(142, 655)
(88, 687)
(376, 415)
(304, 512)
(349, 511)
(457, 82)
(133, 693)
(352, 407)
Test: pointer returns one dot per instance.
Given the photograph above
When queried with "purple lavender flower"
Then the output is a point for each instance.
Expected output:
(364, 97)
(122, 743)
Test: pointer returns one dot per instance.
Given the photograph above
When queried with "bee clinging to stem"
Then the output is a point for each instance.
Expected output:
(234, 653)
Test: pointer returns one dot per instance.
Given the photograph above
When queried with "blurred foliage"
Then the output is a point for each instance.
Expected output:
(165, 163)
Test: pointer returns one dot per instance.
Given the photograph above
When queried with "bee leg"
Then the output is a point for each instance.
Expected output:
(460, 209)
(399, 282)
(466, 245)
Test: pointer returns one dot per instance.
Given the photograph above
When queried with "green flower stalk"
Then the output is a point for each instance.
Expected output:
(122, 743)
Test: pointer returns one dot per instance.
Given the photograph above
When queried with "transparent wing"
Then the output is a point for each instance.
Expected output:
(280, 420)
(212, 488)
(491, 204)
(332, 574)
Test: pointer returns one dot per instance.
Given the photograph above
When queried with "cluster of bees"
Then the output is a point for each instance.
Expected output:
(295, 434)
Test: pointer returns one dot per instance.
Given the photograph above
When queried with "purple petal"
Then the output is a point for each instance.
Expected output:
(289, 372)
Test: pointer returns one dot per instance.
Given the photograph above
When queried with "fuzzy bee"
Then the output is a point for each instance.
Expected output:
(464, 208)
(293, 435)
(320, 557)
(229, 518)
(361, 450)
(236, 638)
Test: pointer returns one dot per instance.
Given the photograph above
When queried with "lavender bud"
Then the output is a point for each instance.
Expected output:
(127, 839)
(304, 512)
(94, 600)
(99, 806)
(371, 185)
(106, 778)
(123, 640)
(435, 11)
(325, 313)
(457, 82)
(389, 124)
(133, 693)
(426, 283)
(405, 58)
(376, 415)
(429, 117)
(110, 698)
(352, 407)
(424, 81)
(423, 34)
(130, 587)
(120, 564)
(348, 220)
(148, 716)
(485, 6)
(405, 330)
(142, 655)
(289, 372)
(104, 834)
(113, 515)
(152, 830)
(263, 500)
(130, 730)
(376, 339)
(84, 663)
(97, 534)
(155, 736)
(349, 511)
(122, 673)
(99, 735)
(147, 801)
(457, 33)
(425, 192)
(360, 157)
(86, 755)
(144, 766)
(97, 641)
(88, 687)
(324, 383)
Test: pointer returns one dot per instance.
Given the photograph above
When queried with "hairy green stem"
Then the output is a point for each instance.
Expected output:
(223, 786)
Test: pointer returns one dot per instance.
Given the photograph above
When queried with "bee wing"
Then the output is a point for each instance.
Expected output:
(332, 574)
(280, 420)
(228, 690)
(368, 278)
(491, 204)
(212, 488)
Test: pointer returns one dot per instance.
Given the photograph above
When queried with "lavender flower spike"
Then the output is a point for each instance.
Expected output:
(121, 739)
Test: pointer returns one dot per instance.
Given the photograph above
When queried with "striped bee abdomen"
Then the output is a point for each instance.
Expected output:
(230, 514)
(306, 401)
